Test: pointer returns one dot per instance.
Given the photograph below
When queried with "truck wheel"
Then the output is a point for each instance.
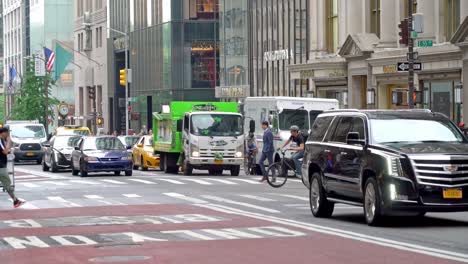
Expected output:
(235, 170)
(187, 168)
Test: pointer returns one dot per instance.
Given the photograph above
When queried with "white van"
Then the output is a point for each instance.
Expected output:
(27, 138)
(282, 113)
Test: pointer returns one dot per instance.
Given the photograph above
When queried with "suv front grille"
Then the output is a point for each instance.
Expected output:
(30, 146)
(446, 171)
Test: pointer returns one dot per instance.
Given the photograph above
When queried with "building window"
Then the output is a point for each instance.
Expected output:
(99, 37)
(204, 9)
(375, 17)
(98, 4)
(89, 5)
(332, 25)
(205, 69)
(452, 17)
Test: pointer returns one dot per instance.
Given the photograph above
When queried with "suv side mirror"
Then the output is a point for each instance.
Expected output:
(353, 139)
(77, 148)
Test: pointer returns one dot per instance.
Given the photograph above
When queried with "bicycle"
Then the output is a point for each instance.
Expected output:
(250, 166)
(278, 172)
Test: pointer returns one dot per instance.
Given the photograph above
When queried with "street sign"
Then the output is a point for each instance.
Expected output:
(425, 43)
(39, 66)
(415, 56)
(404, 66)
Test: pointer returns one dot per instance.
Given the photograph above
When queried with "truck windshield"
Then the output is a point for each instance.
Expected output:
(414, 131)
(290, 117)
(28, 131)
(216, 125)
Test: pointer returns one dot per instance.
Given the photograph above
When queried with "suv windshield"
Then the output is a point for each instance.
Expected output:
(386, 131)
(28, 131)
(216, 125)
(289, 117)
(105, 143)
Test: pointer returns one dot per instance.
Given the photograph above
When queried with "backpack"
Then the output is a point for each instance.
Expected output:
(305, 135)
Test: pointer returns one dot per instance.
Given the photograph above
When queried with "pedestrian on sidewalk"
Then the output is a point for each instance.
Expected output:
(5, 146)
(268, 149)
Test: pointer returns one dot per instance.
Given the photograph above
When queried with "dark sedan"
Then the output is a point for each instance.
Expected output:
(101, 154)
(57, 153)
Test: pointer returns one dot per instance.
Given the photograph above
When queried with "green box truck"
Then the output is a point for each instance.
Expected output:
(199, 135)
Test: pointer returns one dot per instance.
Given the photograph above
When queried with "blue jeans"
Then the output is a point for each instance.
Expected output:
(265, 155)
(297, 162)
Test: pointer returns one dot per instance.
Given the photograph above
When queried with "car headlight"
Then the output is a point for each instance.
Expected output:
(90, 159)
(394, 167)
(195, 151)
(16, 144)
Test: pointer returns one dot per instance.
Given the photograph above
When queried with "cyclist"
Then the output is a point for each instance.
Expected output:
(252, 143)
(297, 138)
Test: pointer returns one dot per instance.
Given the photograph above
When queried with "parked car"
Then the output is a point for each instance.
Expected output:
(58, 152)
(143, 154)
(27, 138)
(129, 141)
(390, 162)
(101, 154)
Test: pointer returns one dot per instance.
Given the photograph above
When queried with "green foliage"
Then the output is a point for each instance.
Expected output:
(30, 104)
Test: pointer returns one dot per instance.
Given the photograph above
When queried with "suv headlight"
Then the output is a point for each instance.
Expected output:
(194, 151)
(394, 167)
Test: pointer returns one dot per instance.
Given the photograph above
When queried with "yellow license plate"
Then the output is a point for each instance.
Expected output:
(29, 154)
(218, 162)
(453, 194)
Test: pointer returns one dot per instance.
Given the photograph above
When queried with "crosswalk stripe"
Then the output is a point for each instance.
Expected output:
(142, 181)
(132, 195)
(186, 198)
(27, 205)
(85, 182)
(113, 181)
(29, 185)
(171, 181)
(247, 181)
(26, 176)
(56, 183)
(202, 182)
(295, 197)
(60, 199)
(221, 181)
(258, 198)
(223, 200)
(93, 197)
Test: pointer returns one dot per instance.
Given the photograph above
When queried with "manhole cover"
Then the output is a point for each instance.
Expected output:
(119, 258)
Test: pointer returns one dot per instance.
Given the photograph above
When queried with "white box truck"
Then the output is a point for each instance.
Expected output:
(282, 113)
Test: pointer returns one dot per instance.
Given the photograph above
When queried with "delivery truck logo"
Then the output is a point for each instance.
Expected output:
(204, 107)
(218, 143)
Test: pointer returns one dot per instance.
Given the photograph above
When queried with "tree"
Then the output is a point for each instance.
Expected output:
(30, 104)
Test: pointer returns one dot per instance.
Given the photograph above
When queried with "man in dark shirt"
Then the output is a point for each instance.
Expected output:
(5, 145)
(297, 138)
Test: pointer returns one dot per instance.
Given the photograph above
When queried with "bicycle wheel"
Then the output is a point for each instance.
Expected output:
(276, 176)
(247, 166)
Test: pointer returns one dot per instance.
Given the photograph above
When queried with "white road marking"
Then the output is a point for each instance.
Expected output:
(26, 176)
(39, 173)
(85, 182)
(29, 185)
(93, 197)
(113, 181)
(65, 202)
(295, 197)
(221, 181)
(247, 181)
(220, 199)
(56, 183)
(142, 181)
(258, 198)
(171, 181)
(132, 195)
(186, 198)
(295, 205)
(27, 205)
(444, 254)
(202, 182)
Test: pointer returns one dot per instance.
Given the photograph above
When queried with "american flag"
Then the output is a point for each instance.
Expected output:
(50, 59)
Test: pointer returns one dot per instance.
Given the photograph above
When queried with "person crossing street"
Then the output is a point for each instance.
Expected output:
(268, 149)
(5, 146)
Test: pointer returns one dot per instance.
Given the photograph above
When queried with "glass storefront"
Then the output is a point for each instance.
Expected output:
(279, 37)
(444, 97)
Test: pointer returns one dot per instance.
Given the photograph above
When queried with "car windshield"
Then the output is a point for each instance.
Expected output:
(130, 141)
(289, 117)
(216, 125)
(104, 143)
(28, 131)
(64, 142)
(71, 132)
(386, 131)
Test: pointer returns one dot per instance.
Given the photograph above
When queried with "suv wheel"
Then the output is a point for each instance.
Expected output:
(372, 202)
(319, 204)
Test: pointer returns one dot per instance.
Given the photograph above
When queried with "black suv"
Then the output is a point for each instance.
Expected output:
(388, 161)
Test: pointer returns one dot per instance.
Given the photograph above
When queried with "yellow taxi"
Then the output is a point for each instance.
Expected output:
(143, 154)
(72, 130)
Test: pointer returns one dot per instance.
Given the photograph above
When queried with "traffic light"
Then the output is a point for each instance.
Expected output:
(403, 32)
(100, 121)
(91, 93)
(123, 77)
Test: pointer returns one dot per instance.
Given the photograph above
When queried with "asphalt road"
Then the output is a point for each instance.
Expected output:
(235, 202)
